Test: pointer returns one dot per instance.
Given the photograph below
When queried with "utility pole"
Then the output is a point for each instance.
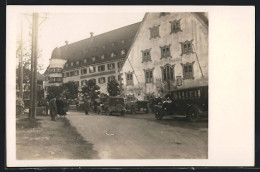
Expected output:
(21, 64)
(31, 111)
(33, 80)
(35, 15)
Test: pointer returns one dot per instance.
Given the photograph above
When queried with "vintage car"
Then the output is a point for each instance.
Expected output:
(110, 105)
(136, 106)
(191, 103)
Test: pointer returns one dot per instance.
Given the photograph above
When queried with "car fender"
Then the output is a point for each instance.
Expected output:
(190, 106)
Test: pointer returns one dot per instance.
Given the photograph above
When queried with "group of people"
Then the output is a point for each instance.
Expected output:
(57, 107)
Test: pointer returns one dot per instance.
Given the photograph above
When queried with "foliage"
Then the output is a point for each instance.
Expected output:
(113, 88)
(54, 91)
(70, 90)
(91, 90)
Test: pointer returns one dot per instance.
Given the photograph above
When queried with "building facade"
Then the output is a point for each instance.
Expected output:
(170, 52)
(97, 57)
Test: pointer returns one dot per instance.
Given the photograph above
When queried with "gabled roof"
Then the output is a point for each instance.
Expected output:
(202, 18)
(104, 44)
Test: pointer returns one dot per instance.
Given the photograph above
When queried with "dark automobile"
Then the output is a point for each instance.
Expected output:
(136, 106)
(110, 105)
(191, 103)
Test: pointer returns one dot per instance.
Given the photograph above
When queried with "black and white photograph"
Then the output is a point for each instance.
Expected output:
(130, 86)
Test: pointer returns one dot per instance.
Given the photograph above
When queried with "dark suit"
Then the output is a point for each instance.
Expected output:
(53, 108)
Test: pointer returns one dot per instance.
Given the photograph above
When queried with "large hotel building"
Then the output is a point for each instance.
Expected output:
(97, 57)
(163, 53)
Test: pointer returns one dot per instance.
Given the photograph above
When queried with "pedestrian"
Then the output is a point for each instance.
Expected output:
(53, 109)
(86, 107)
(61, 110)
(46, 104)
(95, 106)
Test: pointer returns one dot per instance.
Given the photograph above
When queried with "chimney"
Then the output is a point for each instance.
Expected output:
(91, 35)
(67, 43)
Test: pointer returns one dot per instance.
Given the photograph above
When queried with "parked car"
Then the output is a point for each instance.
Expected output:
(110, 105)
(136, 106)
(191, 103)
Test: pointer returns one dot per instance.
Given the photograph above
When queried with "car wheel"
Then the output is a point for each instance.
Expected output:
(98, 112)
(132, 110)
(193, 115)
(122, 112)
(158, 114)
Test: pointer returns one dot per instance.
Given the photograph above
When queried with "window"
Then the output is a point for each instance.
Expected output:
(111, 78)
(122, 52)
(113, 54)
(101, 68)
(104, 47)
(92, 69)
(77, 62)
(113, 43)
(67, 74)
(47, 78)
(67, 65)
(55, 80)
(176, 26)
(93, 59)
(26, 87)
(154, 32)
(101, 80)
(54, 70)
(178, 81)
(83, 71)
(71, 64)
(168, 73)
(93, 79)
(119, 77)
(186, 47)
(123, 41)
(146, 54)
(74, 73)
(129, 78)
(188, 70)
(165, 51)
(119, 64)
(148, 75)
(85, 60)
(163, 14)
(111, 66)
(83, 82)
(103, 57)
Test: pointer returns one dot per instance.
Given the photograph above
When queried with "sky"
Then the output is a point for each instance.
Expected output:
(72, 27)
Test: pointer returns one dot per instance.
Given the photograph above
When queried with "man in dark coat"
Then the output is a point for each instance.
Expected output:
(86, 107)
(46, 104)
(61, 110)
(53, 108)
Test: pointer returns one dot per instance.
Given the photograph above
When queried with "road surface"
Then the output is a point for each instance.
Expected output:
(142, 136)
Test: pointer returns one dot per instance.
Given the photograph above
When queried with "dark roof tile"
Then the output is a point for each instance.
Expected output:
(97, 46)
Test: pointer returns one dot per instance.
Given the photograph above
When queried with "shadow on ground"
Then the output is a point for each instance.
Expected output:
(43, 139)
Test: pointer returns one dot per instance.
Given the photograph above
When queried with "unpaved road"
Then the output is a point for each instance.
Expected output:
(142, 137)
(48, 140)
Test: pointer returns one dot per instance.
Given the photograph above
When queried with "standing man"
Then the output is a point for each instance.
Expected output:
(53, 108)
(86, 107)
(46, 104)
